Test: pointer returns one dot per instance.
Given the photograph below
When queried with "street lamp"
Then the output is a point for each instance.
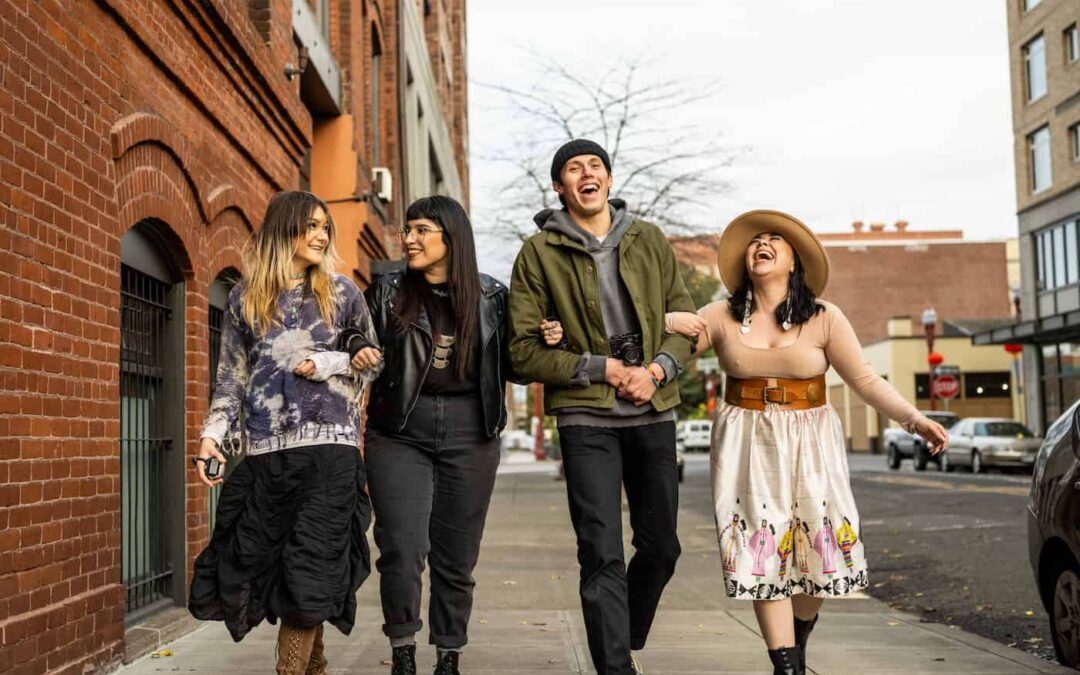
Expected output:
(929, 322)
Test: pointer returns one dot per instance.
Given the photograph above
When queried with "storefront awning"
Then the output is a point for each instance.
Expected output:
(1057, 328)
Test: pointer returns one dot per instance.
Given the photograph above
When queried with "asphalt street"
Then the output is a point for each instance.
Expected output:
(948, 547)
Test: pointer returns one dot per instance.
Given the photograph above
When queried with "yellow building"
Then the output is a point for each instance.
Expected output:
(988, 386)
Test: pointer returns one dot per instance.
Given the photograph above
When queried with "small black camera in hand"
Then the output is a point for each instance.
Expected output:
(628, 347)
(212, 466)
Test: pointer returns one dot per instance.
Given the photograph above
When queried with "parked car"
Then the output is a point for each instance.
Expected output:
(979, 442)
(1054, 535)
(900, 445)
(693, 435)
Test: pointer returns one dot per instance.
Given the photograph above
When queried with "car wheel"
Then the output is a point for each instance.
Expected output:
(944, 462)
(922, 457)
(1065, 614)
(977, 462)
(893, 457)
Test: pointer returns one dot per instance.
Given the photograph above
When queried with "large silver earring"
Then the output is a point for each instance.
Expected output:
(745, 328)
(787, 321)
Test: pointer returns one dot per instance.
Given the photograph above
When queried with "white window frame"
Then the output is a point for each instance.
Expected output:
(1040, 140)
(1028, 5)
(1072, 44)
(1035, 68)
(1074, 141)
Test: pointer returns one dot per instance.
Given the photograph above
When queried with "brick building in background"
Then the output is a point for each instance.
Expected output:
(139, 143)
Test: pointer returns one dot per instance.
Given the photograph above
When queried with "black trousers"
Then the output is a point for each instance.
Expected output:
(619, 601)
(430, 488)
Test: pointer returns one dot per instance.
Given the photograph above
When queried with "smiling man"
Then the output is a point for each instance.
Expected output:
(609, 279)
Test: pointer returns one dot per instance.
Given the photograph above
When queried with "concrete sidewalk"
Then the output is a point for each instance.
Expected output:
(526, 619)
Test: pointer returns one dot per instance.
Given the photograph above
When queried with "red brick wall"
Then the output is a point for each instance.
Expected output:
(873, 284)
(111, 112)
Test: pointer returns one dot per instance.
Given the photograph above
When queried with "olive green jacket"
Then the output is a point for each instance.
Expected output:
(554, 276)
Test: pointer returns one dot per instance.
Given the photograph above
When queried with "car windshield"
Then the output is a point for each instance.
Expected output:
(947, 421)
(1009, 429)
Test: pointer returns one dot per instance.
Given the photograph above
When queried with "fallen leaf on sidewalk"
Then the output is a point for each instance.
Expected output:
(940, 658)
(509, 583)
(483, 620)
(523, 623)
(983, 608)
(1029, 613)
(386, 663)
(894, 623)
(919, 594)
(161, 652)
(1033, 640)
(700, 626)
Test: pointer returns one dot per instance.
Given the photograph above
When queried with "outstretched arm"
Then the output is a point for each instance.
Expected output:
(845, 354)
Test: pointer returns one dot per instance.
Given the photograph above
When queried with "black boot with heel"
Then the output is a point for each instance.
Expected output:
(787, 660)
(802, 636)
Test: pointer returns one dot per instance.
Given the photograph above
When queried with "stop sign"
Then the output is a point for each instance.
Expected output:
(946, 386)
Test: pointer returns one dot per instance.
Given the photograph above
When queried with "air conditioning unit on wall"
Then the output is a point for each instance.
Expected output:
(382, 183)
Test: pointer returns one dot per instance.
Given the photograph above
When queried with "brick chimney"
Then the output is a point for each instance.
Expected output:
(877, 227)
(857, 226)
(901, 225)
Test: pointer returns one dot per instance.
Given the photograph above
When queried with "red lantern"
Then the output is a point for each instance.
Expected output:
(1014, 349)
(935, 359)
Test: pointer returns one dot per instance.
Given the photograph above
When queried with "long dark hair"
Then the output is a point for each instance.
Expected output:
(804, 304)
(463, 277)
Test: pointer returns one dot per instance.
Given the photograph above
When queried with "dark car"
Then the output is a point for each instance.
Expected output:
(1054, 532)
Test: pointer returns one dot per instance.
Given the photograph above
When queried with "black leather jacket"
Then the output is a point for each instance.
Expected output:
(407, 356)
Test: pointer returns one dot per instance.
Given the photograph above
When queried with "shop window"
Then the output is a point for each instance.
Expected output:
(988, 385)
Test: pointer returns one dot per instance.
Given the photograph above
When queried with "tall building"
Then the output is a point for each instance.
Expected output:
(139, 143)
(1044, 57)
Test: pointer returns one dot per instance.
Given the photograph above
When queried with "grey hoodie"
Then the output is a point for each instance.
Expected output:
(619, 315)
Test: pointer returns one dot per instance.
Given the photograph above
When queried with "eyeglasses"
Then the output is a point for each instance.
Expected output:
(420, 231)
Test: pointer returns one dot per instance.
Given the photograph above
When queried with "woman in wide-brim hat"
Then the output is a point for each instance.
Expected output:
(786, 519)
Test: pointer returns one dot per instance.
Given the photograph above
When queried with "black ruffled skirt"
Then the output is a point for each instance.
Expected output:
(289, 543)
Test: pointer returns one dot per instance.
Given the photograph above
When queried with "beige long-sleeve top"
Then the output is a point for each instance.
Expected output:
(826, 339)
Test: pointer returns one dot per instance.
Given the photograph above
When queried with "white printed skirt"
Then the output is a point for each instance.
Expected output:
(785, 516)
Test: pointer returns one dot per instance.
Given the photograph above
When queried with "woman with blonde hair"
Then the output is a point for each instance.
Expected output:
(290, 541)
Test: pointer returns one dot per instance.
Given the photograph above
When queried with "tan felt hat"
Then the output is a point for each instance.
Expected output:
(731, 254)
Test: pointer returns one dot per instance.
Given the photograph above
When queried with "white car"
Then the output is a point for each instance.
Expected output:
(979, 442)
(693, 435)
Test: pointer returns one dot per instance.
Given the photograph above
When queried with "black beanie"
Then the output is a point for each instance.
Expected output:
(574, 148)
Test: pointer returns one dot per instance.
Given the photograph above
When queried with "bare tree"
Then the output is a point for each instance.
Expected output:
(668, 171)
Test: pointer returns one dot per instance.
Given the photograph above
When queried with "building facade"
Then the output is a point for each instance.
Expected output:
(1044, 58)
(139, 143)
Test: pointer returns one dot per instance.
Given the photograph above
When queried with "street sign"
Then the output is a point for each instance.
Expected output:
(947, 370)
(946, 386)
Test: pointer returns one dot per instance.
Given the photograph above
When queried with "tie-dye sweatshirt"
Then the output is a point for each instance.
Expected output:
(255, 374)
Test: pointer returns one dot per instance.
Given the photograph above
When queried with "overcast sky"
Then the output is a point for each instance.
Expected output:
(876, 111)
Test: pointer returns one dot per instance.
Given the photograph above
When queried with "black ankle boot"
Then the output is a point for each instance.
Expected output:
(802, 636)
(787, 660)
(447, 664)
(404, 660)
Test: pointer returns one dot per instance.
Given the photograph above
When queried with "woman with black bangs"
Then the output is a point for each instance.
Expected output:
(431, 445)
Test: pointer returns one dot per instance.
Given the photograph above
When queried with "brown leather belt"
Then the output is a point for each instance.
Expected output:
(757, 393)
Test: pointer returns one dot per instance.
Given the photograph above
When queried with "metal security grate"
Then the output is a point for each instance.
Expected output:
(146, 568)
(217, 319)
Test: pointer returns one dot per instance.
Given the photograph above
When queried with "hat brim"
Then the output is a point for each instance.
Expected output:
(731, 253)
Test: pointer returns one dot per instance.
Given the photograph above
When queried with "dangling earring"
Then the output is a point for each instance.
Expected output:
(746, 312)
(787, 322)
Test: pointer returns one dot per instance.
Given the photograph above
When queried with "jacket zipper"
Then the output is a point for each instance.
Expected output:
(427, 368)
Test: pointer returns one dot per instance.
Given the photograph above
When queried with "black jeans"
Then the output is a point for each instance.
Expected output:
(619, 602)
(430, 487)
